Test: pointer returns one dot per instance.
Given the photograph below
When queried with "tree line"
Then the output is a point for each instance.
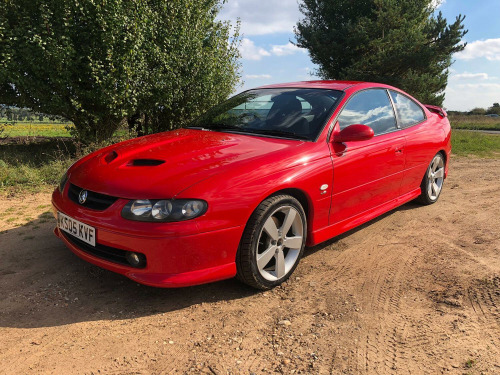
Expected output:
(13, 114)
(493, 110)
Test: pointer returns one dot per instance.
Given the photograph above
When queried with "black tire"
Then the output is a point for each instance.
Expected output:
(253, 242)
(429, 194)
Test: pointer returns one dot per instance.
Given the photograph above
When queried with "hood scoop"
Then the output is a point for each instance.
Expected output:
(145, 162)
(110, 157)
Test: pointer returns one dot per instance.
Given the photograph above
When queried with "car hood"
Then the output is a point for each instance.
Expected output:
(162, 165)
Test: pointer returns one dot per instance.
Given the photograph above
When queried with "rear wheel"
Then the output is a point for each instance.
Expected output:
(273, 242)
(432, 183)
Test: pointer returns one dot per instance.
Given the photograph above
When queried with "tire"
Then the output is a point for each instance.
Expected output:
(432, 183)
(264, 260)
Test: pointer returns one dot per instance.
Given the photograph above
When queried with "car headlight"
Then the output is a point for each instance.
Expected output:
(163, 210)
(63, 181)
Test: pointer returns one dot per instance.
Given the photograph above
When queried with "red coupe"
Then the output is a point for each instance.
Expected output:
(244, 188)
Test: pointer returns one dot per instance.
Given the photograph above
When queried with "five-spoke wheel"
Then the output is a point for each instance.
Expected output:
(432, 183)
(272, 243)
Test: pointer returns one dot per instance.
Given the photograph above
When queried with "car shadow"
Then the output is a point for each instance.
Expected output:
(313, 249)
(44, 284)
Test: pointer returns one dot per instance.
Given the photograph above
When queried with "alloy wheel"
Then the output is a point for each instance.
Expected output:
(280, 242)
(435, 177)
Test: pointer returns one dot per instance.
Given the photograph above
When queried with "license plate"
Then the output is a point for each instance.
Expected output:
(76, 228)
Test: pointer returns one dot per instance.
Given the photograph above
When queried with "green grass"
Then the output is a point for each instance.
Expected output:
(465, 143)
(473, 122)
(35, 164)
(23, 129)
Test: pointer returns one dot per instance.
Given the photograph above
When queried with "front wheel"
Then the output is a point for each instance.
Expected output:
(432, 183)
(273, 242)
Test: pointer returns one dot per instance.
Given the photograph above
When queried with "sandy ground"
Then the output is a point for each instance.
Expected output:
(416, 291)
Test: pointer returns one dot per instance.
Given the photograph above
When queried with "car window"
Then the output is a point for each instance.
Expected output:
(409, 112)
(372, 108)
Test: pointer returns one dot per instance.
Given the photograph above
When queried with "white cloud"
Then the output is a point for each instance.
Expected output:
(437, 3)
(474, 76)
(258, 76)
(286, 49)
(249, 51)
(487, 86)
(489, 49)
(262, 17)
(465, 96)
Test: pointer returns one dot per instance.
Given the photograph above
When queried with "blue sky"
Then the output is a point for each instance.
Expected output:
(269, 57)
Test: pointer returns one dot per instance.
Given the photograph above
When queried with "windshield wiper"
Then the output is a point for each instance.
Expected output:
(276, 132)
(216, 127)
(279, 133)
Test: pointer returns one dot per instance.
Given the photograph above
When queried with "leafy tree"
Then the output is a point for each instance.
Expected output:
(401, 43)
(477, 111)
(99, 63)
(494, 109)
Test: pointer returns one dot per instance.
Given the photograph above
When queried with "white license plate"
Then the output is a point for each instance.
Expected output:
(76, 228)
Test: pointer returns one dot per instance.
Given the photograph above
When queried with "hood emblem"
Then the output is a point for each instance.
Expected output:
(82, 197)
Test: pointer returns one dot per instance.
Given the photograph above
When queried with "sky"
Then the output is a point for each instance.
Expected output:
(268, 56)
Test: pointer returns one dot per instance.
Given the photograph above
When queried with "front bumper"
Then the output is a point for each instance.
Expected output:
(173, 260)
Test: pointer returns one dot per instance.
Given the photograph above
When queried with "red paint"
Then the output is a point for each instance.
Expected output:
(354, 133)
(234, 173)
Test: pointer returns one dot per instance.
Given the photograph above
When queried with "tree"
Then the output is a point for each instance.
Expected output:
(494, 109)
(401, 43)
(99, 62)
(477, 111)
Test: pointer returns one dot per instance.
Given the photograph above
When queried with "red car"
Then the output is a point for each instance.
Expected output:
(242, 190)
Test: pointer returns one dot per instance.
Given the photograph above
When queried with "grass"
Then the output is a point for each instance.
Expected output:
(472, 122)
(470, 363)
(35, 164)
(465, 143)
(27, 129)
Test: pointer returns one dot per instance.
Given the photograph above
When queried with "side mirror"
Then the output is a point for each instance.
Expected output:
(354, 133)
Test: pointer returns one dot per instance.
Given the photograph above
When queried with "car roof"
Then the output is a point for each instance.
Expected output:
(334, 85)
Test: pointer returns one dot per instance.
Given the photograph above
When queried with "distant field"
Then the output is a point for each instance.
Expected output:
(36, 129)
(474, 122)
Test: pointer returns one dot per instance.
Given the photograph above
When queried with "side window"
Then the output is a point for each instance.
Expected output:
(372, 108)
(409, 112)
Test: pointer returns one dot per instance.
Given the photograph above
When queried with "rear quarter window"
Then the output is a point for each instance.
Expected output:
(409, 112)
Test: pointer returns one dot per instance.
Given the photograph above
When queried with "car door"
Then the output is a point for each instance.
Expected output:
(366, 174)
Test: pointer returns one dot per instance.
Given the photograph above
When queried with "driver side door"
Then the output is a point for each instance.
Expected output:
(366, 174)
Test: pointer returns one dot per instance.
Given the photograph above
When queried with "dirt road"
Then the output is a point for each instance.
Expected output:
(414, 292)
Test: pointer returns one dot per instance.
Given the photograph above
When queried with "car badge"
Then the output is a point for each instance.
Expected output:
(82, 197)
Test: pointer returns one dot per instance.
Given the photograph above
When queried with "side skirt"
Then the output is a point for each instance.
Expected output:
(333, 230)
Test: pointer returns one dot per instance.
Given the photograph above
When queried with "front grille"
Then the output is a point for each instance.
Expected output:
(104, 252)
(95, 201)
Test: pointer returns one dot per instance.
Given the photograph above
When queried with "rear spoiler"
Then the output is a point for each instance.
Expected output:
(435, 109)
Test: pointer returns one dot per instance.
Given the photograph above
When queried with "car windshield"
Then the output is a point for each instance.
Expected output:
(296, 113)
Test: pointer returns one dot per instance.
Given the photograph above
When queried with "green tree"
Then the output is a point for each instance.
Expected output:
(98, 63)
(401, 43)
(494, 109)
(477, 111)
